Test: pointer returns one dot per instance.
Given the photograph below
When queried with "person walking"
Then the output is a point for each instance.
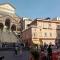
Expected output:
(16, 50)
(34, 55)
(21, 50)
(49, 50)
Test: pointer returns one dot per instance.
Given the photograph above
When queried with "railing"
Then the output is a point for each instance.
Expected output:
(16, 36)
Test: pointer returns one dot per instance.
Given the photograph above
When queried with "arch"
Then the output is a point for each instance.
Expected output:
(13, 27)
(7, 23)
(1, 26)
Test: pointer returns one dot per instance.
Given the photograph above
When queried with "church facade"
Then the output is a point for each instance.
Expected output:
(8, 19)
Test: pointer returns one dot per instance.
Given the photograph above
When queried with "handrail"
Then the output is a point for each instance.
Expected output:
(16, 36)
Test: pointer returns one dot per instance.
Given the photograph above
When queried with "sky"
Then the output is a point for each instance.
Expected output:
(36, 8)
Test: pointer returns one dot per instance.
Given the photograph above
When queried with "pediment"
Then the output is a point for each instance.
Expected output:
(7, 6)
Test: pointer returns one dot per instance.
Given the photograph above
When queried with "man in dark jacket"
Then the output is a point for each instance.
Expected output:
(49, 50)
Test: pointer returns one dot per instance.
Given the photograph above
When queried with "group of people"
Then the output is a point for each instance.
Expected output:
(47, 55)
(44, 54)
(38, 55)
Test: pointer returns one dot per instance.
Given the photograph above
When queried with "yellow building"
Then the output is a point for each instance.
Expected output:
(41, 31)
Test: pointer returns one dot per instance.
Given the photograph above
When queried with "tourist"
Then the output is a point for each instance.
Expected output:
(49, 50)
(16, 50)
(20, 51)
(34, 55)
(42, 55)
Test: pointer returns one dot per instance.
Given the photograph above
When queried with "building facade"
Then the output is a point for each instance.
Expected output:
(9, 21)
(42, 31)
(24, 25)
(8, 14)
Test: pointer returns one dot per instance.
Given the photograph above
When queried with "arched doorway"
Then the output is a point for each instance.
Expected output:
(13, 27)
(7, 23)
(18, 29)
(1, 26)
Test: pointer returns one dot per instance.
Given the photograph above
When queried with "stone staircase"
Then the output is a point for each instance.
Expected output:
(9, 37)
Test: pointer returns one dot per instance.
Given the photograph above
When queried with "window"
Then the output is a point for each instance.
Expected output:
(45, 26)
(58, 34)
(45, 34)
(34, 34)
(35, 29)
(50, 34)
(40, 29)
(58, 26)
(49, 26)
